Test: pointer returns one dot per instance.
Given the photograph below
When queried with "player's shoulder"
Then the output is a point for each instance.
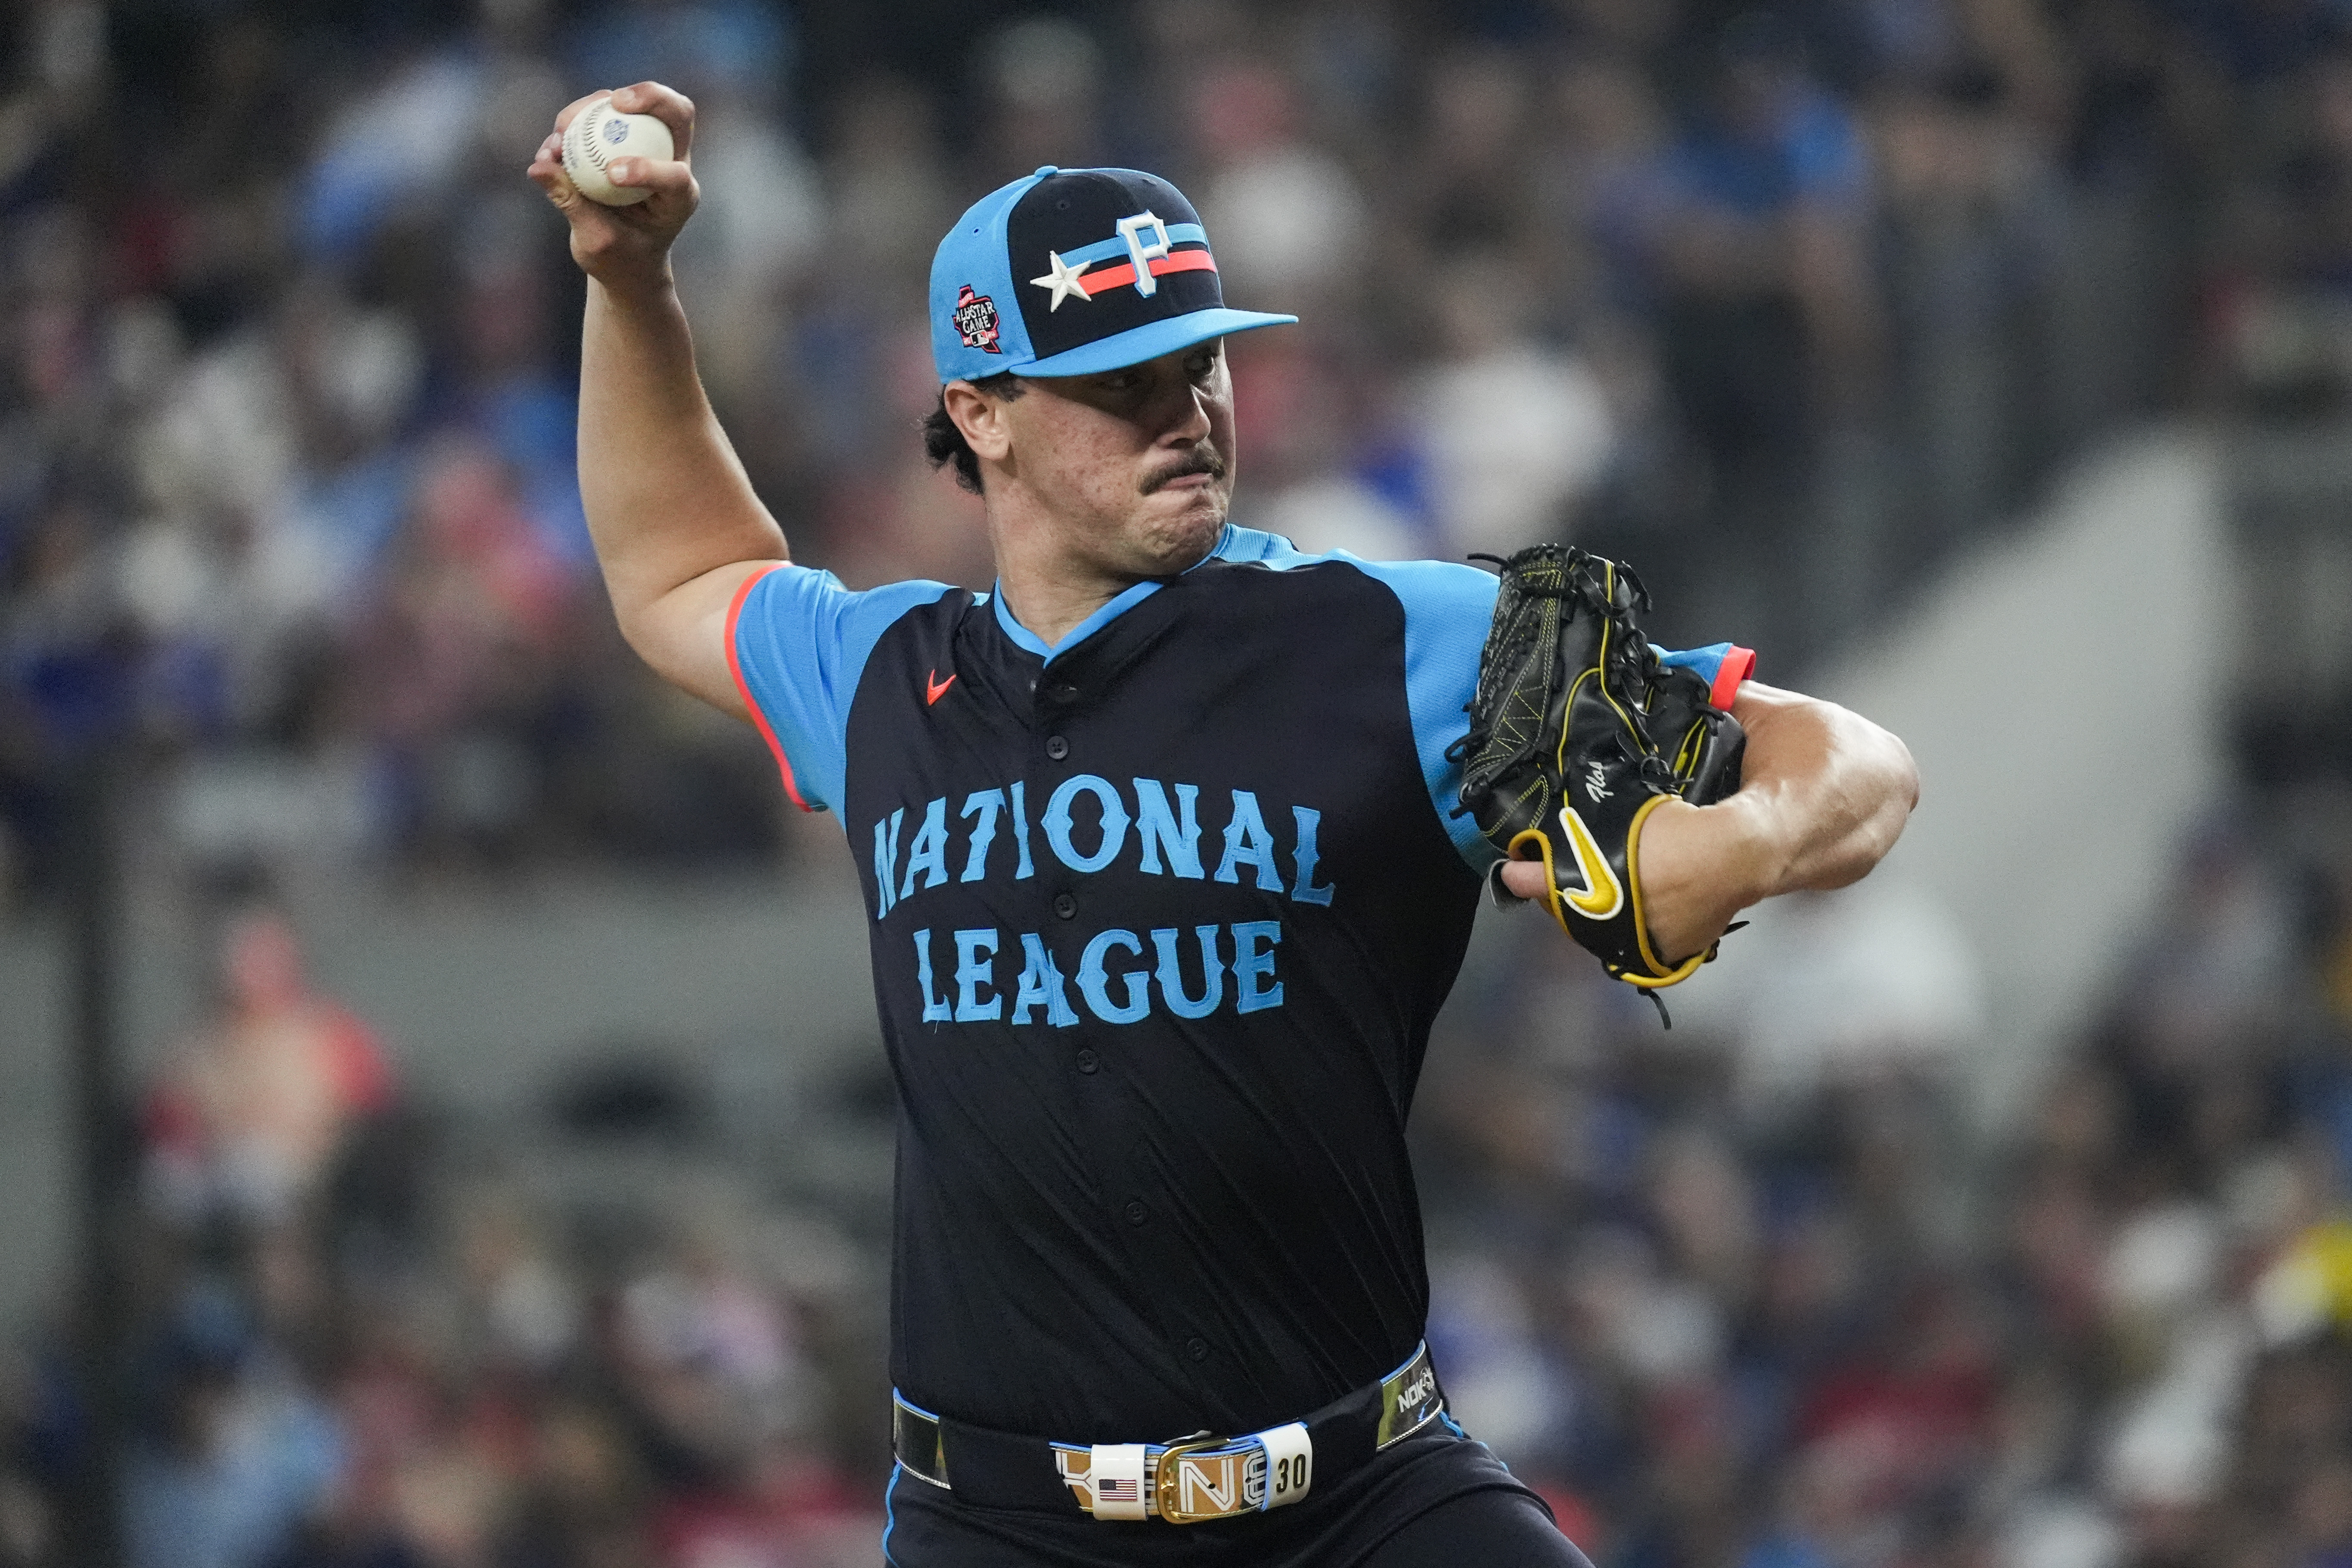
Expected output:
(795, 623)
(1425, 587)
(794, 590)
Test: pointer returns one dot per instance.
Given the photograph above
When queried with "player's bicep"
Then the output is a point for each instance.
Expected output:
(685, 634)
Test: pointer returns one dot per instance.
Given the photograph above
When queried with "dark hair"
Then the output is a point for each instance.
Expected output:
(944, 443)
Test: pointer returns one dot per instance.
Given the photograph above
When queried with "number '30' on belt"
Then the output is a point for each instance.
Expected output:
(1181, 1481)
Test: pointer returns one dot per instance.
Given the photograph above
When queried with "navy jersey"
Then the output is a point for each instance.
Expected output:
(1160, 918)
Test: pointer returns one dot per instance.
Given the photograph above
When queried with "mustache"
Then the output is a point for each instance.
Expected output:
(1202, 460)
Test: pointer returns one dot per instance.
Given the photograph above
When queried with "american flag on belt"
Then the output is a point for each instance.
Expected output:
(1128, 1490)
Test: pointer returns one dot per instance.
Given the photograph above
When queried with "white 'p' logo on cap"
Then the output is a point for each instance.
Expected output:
(1141, 251)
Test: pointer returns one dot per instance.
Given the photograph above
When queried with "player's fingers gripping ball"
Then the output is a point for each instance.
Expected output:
(599, 133)
(1577, 731)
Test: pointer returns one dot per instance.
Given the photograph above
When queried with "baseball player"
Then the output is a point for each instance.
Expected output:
(1165, 884)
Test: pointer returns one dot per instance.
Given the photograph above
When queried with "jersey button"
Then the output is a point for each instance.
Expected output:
(1137, 1214)
(1197, 1347)
(1088, 1061)
(1066, 906)
(1065, 692)
(1056, 747)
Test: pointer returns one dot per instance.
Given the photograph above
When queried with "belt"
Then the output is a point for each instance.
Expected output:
(1181, 1481)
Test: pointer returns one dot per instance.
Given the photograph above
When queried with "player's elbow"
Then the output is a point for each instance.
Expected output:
(682, 635)
(1878, 764)
(1892, 774)
(1905, 796)
(641, 624)
(1881, 788)
(642, 632)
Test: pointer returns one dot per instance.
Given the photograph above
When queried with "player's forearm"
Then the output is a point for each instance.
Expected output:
(667, 499)
(1824, 795)
(1825, 792)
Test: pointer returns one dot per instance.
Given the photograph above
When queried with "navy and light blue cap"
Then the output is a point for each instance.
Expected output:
(1074, 272)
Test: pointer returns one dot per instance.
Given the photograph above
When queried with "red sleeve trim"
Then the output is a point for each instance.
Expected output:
(1737, 665)
(750, 703)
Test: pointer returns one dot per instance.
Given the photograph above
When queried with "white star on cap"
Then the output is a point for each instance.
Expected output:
(1063, 280)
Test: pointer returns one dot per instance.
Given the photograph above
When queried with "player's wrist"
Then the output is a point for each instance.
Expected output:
(634, 285)
(1751, 848)
(1700, 866)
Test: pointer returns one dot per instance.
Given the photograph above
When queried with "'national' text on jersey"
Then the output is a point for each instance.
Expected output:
(1087, 825)
(1089, 810)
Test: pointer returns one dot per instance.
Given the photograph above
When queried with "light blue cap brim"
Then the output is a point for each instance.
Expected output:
(1150, 340)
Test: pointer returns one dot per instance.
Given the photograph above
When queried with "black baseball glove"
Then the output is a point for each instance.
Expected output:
(1577, 731)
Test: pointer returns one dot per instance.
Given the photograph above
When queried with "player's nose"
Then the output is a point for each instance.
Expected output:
(1187, 419)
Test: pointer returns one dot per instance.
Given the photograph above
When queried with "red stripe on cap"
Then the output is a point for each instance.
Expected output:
(1737, 666)
(1175, 261)
(735, 668)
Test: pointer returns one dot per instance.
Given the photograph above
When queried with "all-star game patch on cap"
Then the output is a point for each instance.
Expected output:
(1074, 272)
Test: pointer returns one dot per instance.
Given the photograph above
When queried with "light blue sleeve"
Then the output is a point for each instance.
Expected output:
(1447, 609)
(797, 642)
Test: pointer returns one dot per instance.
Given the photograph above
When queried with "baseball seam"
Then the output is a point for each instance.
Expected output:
(591, 152)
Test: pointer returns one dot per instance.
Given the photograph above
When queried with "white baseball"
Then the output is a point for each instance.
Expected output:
(599, 133)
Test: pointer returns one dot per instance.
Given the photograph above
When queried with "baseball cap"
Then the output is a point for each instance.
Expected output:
(1072, 271)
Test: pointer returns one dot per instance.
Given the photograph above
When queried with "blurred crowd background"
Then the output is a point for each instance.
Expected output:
(1792, 305)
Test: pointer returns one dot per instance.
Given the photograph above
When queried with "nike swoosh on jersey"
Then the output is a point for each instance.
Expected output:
(934, 687)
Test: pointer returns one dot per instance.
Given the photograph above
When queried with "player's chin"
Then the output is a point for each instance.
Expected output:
(1185, 522)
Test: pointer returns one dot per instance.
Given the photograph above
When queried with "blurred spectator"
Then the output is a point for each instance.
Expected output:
(707, 1355)
(1970, 231)
(1289, 221)
(1870, 985)
(1768, 313)
(240, 1456)
(525, 1306)
(2284, 308)
(389, 149)
(761, 222)
(71, 666)
(1757, 237)
(252, 1111)
(1044, 83)
(696, 45)
(1514, 432)
(462, 658)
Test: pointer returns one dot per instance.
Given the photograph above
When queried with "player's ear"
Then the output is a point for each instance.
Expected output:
(981, 418)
